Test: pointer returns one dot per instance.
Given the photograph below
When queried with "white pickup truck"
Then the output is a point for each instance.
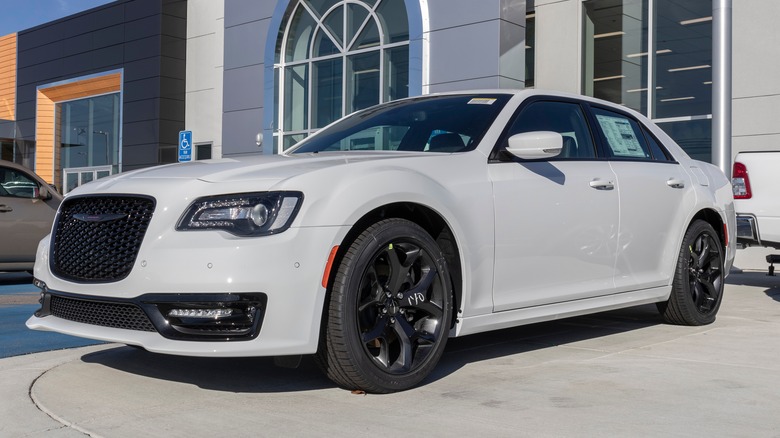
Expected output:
(756, 183)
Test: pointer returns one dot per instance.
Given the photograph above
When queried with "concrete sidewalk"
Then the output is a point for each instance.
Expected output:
(621, 373)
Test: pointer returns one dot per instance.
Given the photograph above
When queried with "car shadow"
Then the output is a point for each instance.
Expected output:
(261, 375)
(771, 283)
(15, 278)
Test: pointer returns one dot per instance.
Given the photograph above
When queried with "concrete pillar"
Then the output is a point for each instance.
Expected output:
(558, 48)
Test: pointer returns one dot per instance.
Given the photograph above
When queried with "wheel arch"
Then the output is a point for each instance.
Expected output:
(427, 218)
(713, 218)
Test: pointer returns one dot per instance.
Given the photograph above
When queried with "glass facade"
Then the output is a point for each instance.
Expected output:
(87, 140)
(336, 57)
(654, 56)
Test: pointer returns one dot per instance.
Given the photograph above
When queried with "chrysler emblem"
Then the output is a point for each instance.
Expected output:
(107, 217)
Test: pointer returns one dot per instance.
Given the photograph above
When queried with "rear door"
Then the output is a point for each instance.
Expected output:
(655, 193)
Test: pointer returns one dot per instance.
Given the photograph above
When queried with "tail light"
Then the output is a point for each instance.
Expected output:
(740, 182)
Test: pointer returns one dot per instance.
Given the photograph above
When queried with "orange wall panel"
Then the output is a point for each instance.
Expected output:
(44, 138)
(8, 77)
(45, 125)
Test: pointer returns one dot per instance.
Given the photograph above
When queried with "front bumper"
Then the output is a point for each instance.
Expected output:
(237, 317)
(278, 276)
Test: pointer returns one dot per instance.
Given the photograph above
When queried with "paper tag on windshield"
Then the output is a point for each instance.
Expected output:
(482, 101)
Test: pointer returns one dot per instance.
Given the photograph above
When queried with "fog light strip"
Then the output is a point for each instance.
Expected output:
(200, 313)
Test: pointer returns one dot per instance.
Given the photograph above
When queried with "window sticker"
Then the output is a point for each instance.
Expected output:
(482, 101)
(621, 137)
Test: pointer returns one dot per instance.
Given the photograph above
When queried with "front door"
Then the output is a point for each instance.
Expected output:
(556, 221)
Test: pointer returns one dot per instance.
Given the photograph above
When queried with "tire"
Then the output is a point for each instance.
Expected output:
(389, 311)
(697, 289)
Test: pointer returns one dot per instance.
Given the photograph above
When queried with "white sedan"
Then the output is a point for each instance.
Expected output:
(374, 240)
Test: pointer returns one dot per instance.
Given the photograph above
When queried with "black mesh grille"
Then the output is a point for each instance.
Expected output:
(116, 315)
(96, 239)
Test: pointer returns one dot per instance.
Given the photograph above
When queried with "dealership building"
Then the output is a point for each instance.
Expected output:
(108, 90)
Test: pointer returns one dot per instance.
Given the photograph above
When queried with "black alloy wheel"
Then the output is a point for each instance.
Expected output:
(697, 290)
(390, 310)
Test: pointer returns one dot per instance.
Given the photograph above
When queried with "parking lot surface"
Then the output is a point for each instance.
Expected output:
(621, 373)
(18, 300)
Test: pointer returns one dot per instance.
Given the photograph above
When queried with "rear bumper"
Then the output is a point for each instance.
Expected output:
(747, 230)
(748, 233)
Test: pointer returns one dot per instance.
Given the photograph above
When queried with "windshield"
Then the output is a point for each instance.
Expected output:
(452, 123)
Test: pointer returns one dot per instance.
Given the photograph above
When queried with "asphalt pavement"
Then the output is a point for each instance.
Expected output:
(620, 373)
(18, 300)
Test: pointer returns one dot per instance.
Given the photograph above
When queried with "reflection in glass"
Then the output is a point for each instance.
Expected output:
(664, 72)
(339, 56)
(296, 100)
(334, 22)
(362, 81)
(356, 20)
(71, 182)
(300, 34)
(87, 136)
(394, 20)
(694, 136)
(291, 140)
(616, 52)
(530, 47)
(684, 60)
(396, 73)
(326, 92)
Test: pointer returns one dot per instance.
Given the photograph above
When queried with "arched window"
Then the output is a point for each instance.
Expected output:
(335, 57)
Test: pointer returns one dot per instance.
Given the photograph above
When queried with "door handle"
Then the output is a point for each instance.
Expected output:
(675, 183)
(602, 185)
(5, 209)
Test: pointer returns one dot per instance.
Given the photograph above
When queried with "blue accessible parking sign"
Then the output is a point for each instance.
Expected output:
(185, 146)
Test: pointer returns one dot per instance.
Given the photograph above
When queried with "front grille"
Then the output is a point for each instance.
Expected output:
(115, 315)
(97, 238)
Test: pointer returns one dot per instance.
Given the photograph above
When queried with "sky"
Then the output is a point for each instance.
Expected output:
(19, 15)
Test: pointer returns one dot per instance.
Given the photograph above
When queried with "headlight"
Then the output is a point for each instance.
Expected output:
(243, 214)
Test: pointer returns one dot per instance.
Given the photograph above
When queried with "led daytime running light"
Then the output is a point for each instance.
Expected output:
(200, 313)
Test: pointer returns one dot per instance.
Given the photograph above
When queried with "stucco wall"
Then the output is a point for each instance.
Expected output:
(246, 31)
(755, 70)
(205, 47)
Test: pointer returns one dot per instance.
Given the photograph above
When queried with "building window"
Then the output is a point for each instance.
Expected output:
(335, 57)
(78, 129)
(530, 47)
(654, 56)
(203, 151)
(87, 138)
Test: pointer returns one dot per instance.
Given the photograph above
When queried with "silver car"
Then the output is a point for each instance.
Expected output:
(27, 209)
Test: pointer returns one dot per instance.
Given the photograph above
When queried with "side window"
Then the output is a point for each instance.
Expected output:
(623, 136)
(16, 184)
(659, 152)
(564, 118)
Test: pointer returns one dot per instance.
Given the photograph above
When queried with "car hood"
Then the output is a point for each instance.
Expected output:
(267, 168)
(264, 167)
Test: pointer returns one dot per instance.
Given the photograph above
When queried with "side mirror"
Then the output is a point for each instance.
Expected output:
(42, 193)
(535, 145)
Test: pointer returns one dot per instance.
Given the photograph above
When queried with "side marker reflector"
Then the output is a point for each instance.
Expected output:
(328, 266)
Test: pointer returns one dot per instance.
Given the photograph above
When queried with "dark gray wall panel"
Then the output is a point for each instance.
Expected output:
(243, 88)
(240, 42)
(144, 38)
(239, 130)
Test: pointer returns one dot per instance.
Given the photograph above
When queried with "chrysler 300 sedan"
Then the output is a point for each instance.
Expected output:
(371, 242)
